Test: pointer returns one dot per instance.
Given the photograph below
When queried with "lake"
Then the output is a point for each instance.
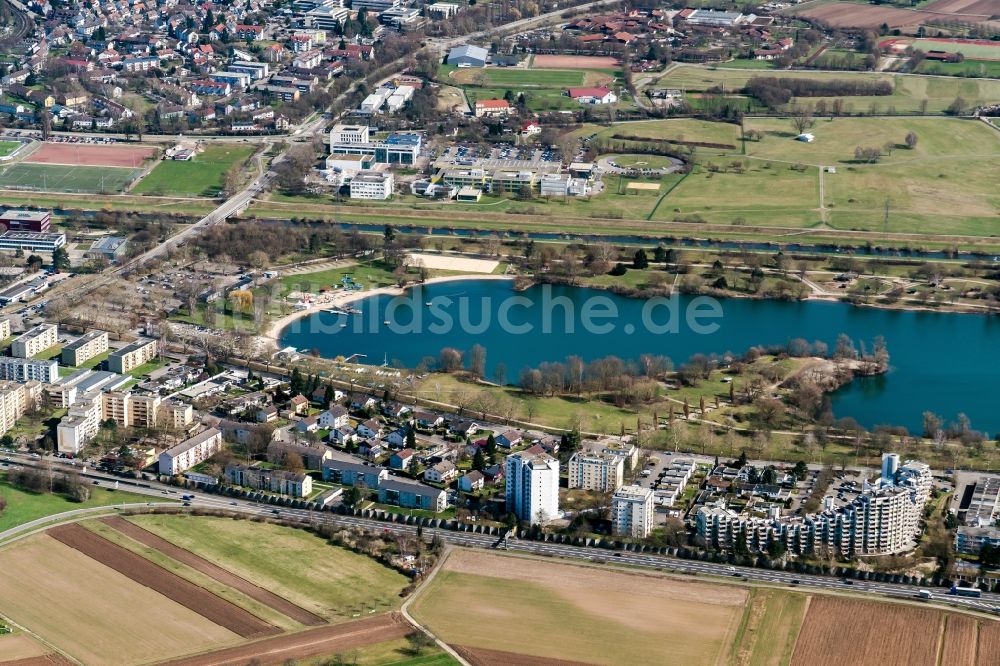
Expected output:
(942, 362)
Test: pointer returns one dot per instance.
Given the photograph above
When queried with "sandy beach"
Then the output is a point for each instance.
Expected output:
(340, 298)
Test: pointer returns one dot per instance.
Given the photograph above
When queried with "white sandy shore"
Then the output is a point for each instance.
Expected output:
(341, 298)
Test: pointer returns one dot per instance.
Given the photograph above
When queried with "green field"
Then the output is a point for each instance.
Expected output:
(968, 49)
(201, 177)
(331, 582)
(770, 628)
(519, 78)
(8, 147)
(536, 99)
(24, 507)
(641, 161)
(678, 130)
(908, 93)
(60, 178)
(981, 68)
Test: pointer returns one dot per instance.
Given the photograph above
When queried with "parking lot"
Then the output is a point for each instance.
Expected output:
(500, 156)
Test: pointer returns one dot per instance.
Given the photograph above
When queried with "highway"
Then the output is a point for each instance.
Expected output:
(987, 603)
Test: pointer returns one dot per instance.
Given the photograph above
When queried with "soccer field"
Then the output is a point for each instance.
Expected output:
(521, 78)
(59, 178)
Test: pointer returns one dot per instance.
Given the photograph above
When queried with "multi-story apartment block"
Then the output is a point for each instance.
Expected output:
(190, 452)
(80, 424)
(175, 414)
(632, 511)
(532, 490)
(411, 495)
(4, 328)
(350, 471)
(131, 356)
(84, 348)
(883, 519)
(26, 369)
(13, 404)
(35, 340)
(600, 472)
(274, 480)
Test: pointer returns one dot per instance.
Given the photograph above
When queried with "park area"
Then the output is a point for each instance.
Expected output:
(909, 93)
(202, 176)
(156, 587)
(501, 609)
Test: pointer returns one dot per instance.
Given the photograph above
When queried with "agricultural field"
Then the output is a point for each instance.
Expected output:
(286, 562)
(484, 601)
(66, 178)
(908, 92)
(770, 628)
(203, 176)
(61, 595)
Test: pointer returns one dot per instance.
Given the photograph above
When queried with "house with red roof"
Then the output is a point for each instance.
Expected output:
(600, 95)
(493, 108)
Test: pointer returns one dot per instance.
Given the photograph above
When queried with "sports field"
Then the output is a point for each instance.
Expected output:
(93, 612)
(83, 154)
(59, 178)
(973, 49)
(330, 582)
(519, 78)
(907, 94)
(576, 613)
(201, 177)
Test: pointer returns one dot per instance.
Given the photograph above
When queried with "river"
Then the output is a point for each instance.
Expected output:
(942, 362)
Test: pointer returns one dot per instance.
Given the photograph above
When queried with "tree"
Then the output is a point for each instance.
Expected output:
(957, 107)
(477, 361)
(352, 496)
(60, 258)
(640, 260)
(911, 140)
(802, 118)
(479, 460)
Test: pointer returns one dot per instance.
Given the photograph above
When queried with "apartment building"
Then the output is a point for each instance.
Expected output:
(132, 409)
(131, 356)
(273, 480)
(4, 329)
(65, 390)
(632, 510)
(350, 471)
(175, 414)
(411, 495)
(600, 472)
(190, 452)
(26, 369)
(84, 348)
(35, 340)
(81, 424)
(13, 404)
(532, 490)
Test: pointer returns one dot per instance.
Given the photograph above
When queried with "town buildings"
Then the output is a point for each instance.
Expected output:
(26, 369)
(377, 185)
(131, 356)
(35, 340)
(532, 490)
(278, 481)
(600, 472)
(632, 512)
(84, 348)
(190, 452)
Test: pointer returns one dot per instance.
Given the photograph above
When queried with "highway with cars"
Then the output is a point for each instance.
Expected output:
(988, 602)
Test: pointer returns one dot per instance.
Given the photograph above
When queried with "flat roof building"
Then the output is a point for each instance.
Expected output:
(15, 219)
(131, 356)
(190, 452)
(84, 348)
(26, 369)
(32, 241)
(632, 512)
(35, 340)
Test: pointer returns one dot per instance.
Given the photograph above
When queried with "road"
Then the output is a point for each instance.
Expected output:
(987, 603)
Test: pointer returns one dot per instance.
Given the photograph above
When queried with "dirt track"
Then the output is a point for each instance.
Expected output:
(311, 643)
(168, 584)
(212, 570)
(482, 657)
(91, 155)
(45, 660)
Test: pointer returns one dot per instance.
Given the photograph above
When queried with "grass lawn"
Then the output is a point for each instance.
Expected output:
(519, 78)
(24, 507)
(968, 49)
(641, 161)
(331, 582)
(837, 138)
(980, 68)
(908, 93)
(8, 147)
(146, 368)
(60, 178)
(679, 129)
(397, 652)
(371, 275)
(536, 99)
(749, 64)
(770, 627)
(201, 177)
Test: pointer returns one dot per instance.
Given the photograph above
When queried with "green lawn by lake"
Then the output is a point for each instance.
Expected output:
(24, 507)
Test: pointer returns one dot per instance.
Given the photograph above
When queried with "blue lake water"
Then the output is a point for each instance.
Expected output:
(943, 362)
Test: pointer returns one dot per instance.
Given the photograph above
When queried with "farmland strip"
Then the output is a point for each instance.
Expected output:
(311, 643)
(214, 571)
(484, 657)
(168, 584)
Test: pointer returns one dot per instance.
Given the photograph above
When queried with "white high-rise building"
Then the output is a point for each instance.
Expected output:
(890, 463)
(632, 510)
(533, 486)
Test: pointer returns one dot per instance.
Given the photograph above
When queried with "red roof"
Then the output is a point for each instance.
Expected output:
(493, 103)
(588, 92)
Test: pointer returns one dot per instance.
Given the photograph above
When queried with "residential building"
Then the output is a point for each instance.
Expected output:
(278, 481)
(471, 482)
(970, 540)
(493, 108)
(13, 404)
(84, 348)
(532, 490)
(402, 459)
(35, 340)
(442, 472)
(26, 369)
(4, 328)
(593, 95)
(312, 456)
(80, 424)
(131, 356)
(175, 414)
(412, 495)
(350, 471)
(600, 472)
(372, 185)
(190, 452)
(632, 512)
